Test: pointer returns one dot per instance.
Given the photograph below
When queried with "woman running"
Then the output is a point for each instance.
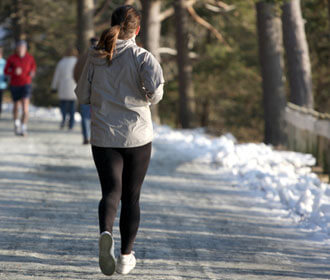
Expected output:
(120, 80)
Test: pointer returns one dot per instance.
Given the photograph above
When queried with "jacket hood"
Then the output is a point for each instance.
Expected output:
(121, 47)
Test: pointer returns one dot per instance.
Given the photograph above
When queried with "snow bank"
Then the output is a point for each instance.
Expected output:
(44, 113)
(285, 177)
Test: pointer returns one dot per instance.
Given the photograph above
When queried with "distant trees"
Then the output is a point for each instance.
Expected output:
(317, 25)
(48, 28)
(208, 51)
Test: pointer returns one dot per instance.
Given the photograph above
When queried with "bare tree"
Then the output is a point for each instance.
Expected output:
(101, 9)
(299, 66)
(186, 90)
(271, 60)
(85, 23)
(205, 24)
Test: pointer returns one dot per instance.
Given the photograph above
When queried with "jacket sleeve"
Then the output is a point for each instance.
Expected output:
(79, 66)
(84, 85)
(151, 75)
(8, 68)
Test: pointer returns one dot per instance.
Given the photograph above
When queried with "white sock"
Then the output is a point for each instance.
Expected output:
(17, 122)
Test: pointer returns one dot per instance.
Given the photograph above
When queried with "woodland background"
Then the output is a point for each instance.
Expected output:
(225, 83)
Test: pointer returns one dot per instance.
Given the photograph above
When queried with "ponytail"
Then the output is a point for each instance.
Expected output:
(124, 22)
(107, 44)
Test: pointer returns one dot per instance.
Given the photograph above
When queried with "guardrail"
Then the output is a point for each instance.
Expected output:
(308, 131)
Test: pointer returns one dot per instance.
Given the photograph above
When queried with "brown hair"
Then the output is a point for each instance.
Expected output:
(124, 22)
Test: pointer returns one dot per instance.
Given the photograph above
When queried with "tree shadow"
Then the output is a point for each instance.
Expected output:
(192, 225)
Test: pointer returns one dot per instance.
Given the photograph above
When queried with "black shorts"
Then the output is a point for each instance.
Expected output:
(20, 92)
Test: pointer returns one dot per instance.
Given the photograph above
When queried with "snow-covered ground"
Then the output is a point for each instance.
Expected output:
(279, 176)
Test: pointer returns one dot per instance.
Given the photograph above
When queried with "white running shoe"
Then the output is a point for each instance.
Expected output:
(126, 263)
(107, 261)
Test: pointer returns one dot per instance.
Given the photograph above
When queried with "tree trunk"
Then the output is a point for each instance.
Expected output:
(329, 15)
(85, 9)
(17, 20)
(150, 31)
(271, 60)
(329, 9)
(186, 90)
(205, 112)
(299, 66)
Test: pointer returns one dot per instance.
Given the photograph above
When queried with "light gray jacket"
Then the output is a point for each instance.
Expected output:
(120, 95)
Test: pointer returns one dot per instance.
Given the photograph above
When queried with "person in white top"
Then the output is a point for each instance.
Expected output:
(64, 84)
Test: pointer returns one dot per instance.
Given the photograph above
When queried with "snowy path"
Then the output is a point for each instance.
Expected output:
(194, 225)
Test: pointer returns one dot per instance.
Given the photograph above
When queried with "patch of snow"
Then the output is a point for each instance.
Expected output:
(281, 176)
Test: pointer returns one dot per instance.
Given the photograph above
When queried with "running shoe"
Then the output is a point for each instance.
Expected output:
(126, 263)
(107, 259)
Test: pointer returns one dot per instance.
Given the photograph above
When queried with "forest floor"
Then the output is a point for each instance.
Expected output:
(194, 224)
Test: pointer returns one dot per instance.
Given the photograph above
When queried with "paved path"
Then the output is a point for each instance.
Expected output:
(194, 225)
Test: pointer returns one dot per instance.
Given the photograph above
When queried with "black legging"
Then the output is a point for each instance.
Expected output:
(121, 173)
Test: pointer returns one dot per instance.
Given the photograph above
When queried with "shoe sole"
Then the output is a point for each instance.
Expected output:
(125, 271)
(107, 262)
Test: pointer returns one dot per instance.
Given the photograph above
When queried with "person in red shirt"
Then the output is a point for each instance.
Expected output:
(21, 68)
